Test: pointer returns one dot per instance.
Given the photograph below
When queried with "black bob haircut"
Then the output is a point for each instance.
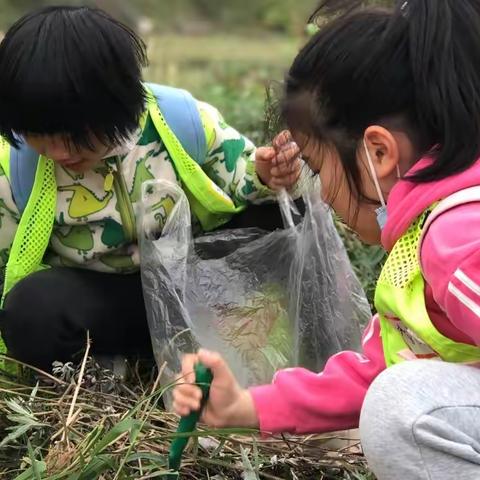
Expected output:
(413, 68)
(73, 71)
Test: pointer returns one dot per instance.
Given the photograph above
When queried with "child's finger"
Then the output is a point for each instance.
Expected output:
(282, 181)
(287, 156)
(282, 139)
(187, 389)
(294, 166)
(265, 154)
(286, 165)
(286, 181)
(279, 172)
(187, 399)
(181, 410)
(222, 375)
(279, 183)
(274, 187)
(188, 365)
(289, 151)
(283, 168)
(286, 169)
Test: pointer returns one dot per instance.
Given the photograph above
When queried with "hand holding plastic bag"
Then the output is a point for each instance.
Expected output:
(265, 301)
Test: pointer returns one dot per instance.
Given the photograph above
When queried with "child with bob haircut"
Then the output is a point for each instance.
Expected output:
(82, 132)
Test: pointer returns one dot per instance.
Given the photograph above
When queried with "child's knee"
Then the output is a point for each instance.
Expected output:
(393, 403)
(28, 319)
(32, 296)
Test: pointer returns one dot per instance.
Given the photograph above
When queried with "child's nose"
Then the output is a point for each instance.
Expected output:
(57, 150)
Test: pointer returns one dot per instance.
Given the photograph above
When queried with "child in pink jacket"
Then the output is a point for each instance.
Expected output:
(386, 108)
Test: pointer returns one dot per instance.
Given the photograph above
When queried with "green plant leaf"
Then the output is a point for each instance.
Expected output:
(35, 467)
(29, 475)
(97, 466)
(124, 426)
(156, 458)
(15, 434)
(249, 471)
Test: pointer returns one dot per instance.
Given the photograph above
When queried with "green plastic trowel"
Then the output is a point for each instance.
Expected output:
(203, 378)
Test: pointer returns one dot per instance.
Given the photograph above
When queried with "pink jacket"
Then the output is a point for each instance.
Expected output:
(300, 401)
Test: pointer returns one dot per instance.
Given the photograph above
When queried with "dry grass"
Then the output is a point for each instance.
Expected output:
(91, 425)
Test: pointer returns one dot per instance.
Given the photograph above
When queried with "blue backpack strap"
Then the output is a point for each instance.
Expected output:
(23, 167)
(179, 109)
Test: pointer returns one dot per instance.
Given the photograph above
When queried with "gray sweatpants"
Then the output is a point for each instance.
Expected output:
(421, 420)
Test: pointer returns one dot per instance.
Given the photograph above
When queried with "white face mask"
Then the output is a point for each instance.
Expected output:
(381, 212)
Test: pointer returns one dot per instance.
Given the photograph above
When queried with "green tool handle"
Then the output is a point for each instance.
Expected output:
(203, 378)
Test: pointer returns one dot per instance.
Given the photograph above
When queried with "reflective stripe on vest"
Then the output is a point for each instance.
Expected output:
(210, 204)
(406, 329)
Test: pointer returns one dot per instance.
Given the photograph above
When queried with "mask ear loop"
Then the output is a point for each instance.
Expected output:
(374, 174)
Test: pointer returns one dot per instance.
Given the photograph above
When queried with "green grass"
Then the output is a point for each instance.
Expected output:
(88, 425)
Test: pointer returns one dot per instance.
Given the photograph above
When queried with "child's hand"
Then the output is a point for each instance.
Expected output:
(228, 406)
(279, 166)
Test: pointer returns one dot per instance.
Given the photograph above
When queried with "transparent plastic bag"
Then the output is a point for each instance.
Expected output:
(264, 300)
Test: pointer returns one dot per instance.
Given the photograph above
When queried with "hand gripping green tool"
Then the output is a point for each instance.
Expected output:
(203, 379)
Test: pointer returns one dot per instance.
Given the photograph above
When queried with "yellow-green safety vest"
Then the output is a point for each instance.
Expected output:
(208, 202)
(406, 329)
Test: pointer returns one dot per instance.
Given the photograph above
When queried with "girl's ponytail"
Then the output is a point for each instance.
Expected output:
(444, 45)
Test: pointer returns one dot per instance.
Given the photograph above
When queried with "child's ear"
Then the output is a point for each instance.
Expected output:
(384, 151)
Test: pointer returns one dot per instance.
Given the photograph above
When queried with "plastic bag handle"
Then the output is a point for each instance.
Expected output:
(287, 208)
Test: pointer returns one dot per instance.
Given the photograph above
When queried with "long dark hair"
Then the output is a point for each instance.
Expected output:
(414, 68)
(74, 71)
